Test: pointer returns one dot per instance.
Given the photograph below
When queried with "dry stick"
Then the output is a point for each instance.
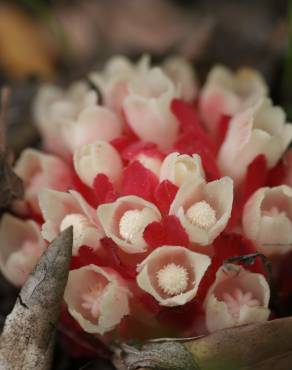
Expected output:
(11, 186)
(28, 336)
(259, 346)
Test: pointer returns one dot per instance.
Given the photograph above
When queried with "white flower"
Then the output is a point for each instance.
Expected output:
(183, 75)
(203, 208)
(21, 245)
(93, 123)
(226, 93)
(114, 79)
(237, 297)
(37, 171)
(96, 158)
(125, 220)
(97, 298)
(61, 210)
(172, 274)
(260, 129)
(147, 108)
(267, 219)
(180, 168)
(53, 107)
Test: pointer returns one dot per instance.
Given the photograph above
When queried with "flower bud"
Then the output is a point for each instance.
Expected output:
(97, 158)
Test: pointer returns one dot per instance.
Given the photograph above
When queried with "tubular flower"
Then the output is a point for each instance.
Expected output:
(203, 208)
(113, 81)
(227, 93)
(237, 297)
(172, 274)
(53, 107)
(93, 123)
(181, 168)
(267, 219)
(21, 245)
(37, 171)
(98, 157)
(125, 220)
(183, 76)
(147, 108)
(97, 298)
(61, 210)
(261, 129)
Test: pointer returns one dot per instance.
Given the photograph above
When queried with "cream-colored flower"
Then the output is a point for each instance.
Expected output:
(113, 81)
(172, 274)
(54, 106)
(267, 219)
(226, 93)
(37, 171)
(93, 123)
(97, 298)
(181, 72)
(203, 208)
(61, 210)
(237, 297)
(261, 129)
(180, 168)
(96, 158)
(125, 220)
(21, 245)
(147, 108)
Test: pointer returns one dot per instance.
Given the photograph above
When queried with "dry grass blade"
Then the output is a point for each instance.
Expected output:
(29, 331)
(254, 347)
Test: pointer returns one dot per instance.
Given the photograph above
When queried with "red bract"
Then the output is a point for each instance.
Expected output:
(187, 144)
(86, 256)
(222, 129)
(255, 178)
(132, 150)
(164, 195)
(182, 317)
(121, 143)
(113, 260)
(277, 174)
(149, 303)
(235, 245)
(138, 180)
(167, 232)
(103, 189)
(84, 190)
(190, 123)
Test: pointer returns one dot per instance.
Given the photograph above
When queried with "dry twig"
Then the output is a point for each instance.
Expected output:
(28, 336)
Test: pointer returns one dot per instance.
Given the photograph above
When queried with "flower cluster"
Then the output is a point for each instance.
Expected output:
(165, 184)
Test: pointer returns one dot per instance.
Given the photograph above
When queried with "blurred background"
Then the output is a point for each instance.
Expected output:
(61, 40)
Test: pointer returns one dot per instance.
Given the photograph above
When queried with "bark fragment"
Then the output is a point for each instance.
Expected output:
(28, 336)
